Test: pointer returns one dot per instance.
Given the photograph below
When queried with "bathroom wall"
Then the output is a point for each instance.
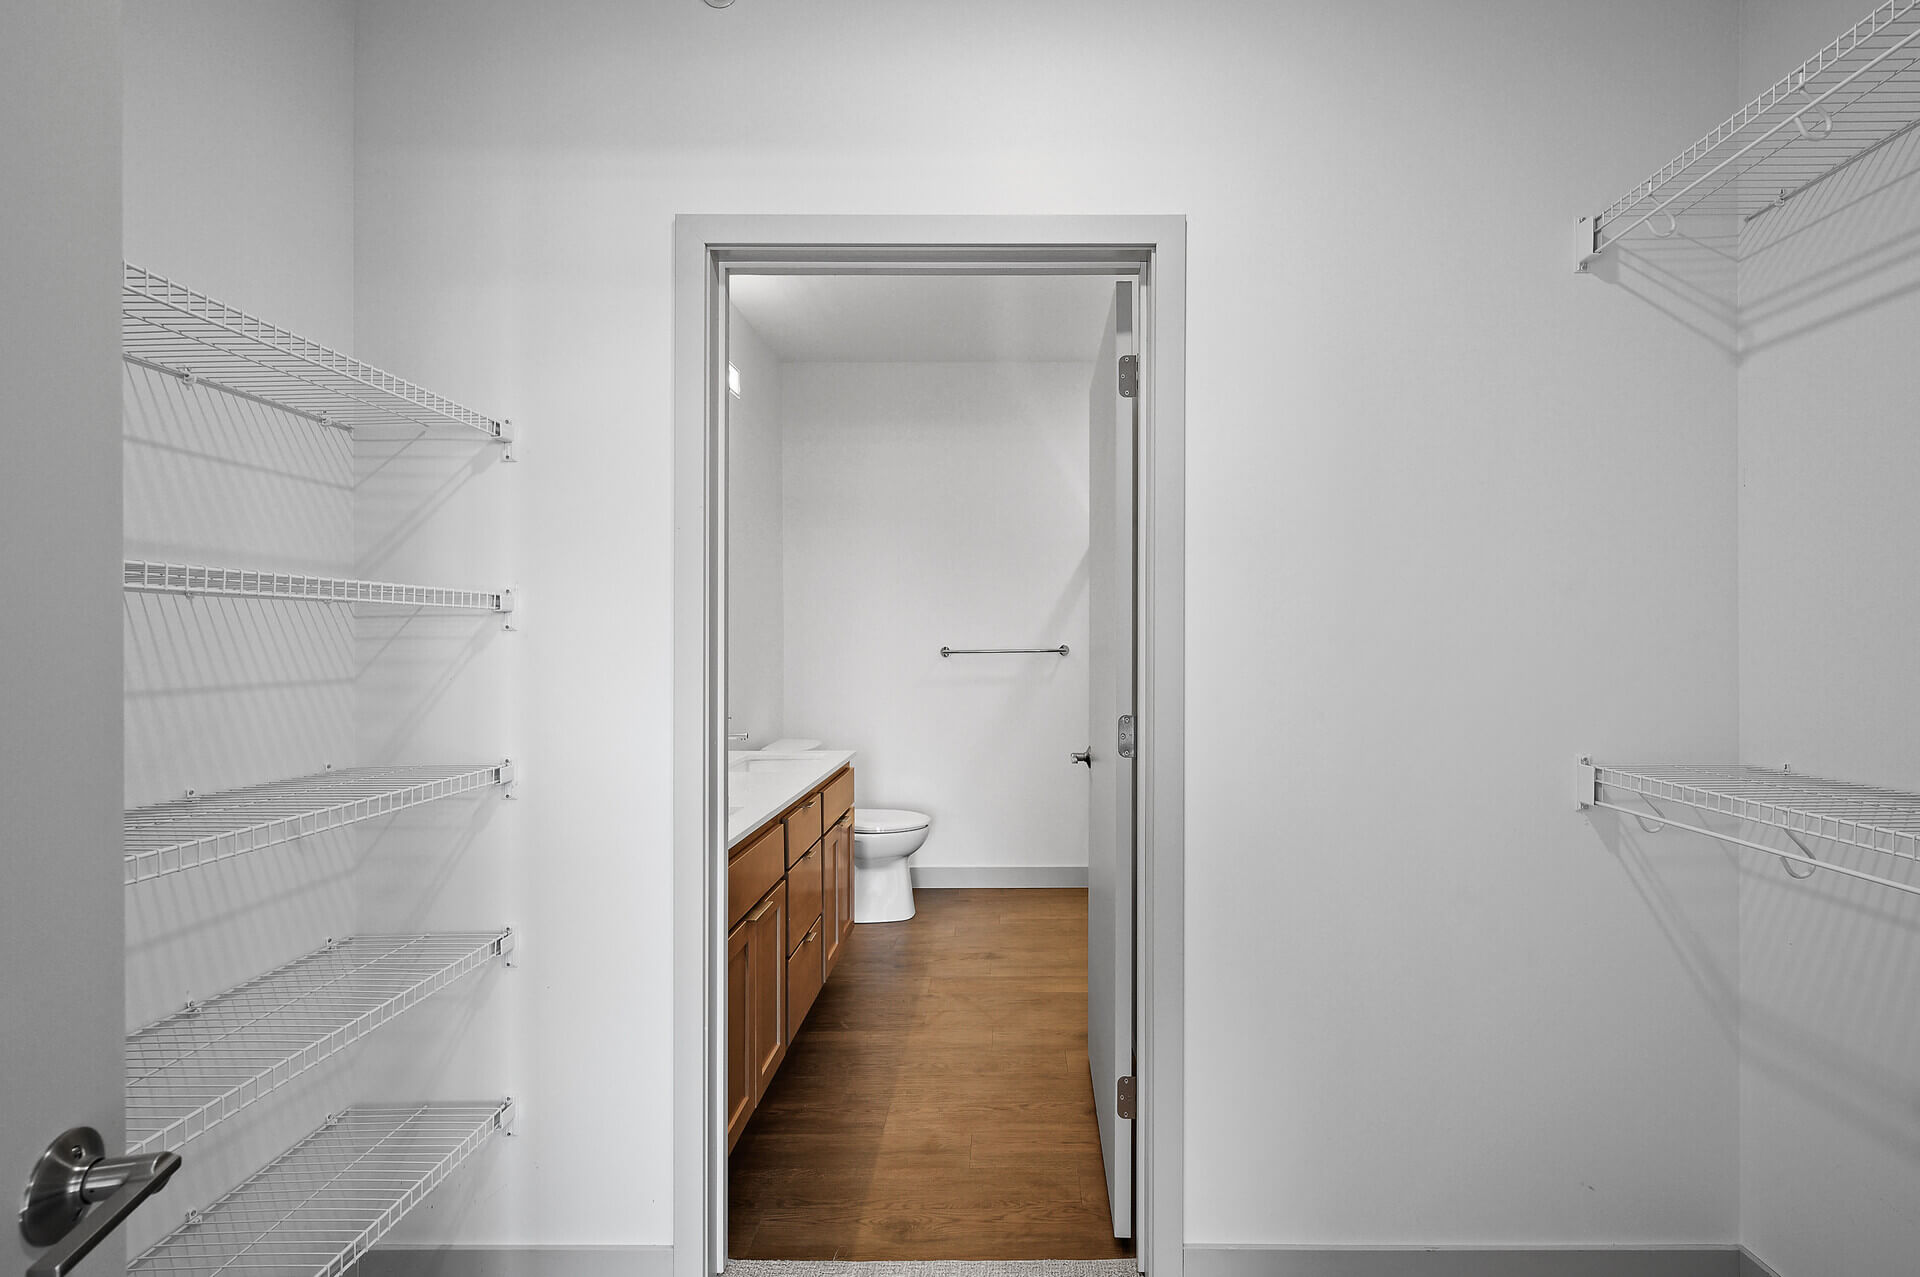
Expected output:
(1439, 488)
(1830, 1031)
(756, 654)
(932, 505)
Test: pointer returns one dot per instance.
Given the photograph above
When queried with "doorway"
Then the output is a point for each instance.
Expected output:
(913, 565)
(1148, 253)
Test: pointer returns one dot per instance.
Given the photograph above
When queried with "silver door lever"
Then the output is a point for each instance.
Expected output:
(1083, 756)
(73, 1174)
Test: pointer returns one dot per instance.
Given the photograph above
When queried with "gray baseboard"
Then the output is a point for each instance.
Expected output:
(1414, 1261)
(517, 1261)
(936, 877)
(1202, 1261)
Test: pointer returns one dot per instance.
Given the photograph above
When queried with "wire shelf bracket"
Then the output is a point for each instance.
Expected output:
(318, 1208)
(200, 1066)
(1879, 827)
(170, 328)
(1851, 98)
(186, 833)
(139, 576)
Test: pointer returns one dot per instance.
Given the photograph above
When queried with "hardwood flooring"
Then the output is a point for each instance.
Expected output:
(936, 1103)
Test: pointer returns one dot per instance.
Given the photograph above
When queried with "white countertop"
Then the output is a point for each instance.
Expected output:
(761, 783)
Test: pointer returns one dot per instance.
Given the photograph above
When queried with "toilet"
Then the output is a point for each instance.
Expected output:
(883, 838)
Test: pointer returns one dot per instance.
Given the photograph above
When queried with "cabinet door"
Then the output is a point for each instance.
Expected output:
(806, 971)
(767, 987)
(806, 887)
(830, 902)
(846, 877)
(739, 1033)
(838, 905)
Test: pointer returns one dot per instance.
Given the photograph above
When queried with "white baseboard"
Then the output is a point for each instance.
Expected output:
(1416, 1261)
(517, 1261)
(936, 877)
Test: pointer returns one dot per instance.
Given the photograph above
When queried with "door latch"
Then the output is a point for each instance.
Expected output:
(72, 1175)
(1126, 736)
(1124, 1101)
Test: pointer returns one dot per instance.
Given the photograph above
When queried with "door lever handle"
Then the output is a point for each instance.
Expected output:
(1083, 756)
(72, 1175)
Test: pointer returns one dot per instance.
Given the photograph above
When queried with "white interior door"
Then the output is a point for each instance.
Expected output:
(62, 963)
(1111, 662)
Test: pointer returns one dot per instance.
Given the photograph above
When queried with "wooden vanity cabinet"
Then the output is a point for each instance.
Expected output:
(790, 900)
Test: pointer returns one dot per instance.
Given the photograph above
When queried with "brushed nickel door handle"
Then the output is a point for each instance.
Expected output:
(72, 1175)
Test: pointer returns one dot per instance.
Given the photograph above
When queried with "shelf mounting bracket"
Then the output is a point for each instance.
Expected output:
(1586, 244)
(1586, 784)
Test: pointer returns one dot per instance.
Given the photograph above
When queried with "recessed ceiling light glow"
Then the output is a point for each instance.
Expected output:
(733, 381)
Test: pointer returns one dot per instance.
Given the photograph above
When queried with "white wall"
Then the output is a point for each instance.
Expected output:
(932, 505)
(1830, 1149)
(1439, 487)
(756, 635)
(255, 207)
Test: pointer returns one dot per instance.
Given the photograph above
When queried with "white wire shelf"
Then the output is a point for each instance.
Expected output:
(1852, 97)
(1883, 825)
(196, 1068)
(323, 1204)
(175, 330)
(142, 577)
(186, 833)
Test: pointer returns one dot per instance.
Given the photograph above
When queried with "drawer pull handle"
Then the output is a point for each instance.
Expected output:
(813, 932)
(761, 912)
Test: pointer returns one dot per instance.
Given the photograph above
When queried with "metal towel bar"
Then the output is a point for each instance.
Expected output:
(996, 651)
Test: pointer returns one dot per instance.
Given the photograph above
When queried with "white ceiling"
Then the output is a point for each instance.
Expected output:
(926, 318)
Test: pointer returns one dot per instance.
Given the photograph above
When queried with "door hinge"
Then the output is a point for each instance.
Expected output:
(1129, 376)
(1126, 736)
(1123, 1103)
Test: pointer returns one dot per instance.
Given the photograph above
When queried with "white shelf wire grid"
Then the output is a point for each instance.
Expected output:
(186, 833)
(316, 1209)
(191, 1071)
(1852, 97)
(1884, 823)
(173, 329)
(143, 577)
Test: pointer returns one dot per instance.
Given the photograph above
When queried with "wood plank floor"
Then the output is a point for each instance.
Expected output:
(936, 1103)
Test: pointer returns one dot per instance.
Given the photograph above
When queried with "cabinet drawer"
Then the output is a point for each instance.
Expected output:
(839, 797)
(752, 873)
(803, 827)
(806, 883)
(804, 977)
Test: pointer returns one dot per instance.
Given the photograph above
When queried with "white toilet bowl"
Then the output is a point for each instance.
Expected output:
(883, 838)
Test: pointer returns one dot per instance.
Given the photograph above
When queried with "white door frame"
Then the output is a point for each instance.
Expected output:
(706, 249)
